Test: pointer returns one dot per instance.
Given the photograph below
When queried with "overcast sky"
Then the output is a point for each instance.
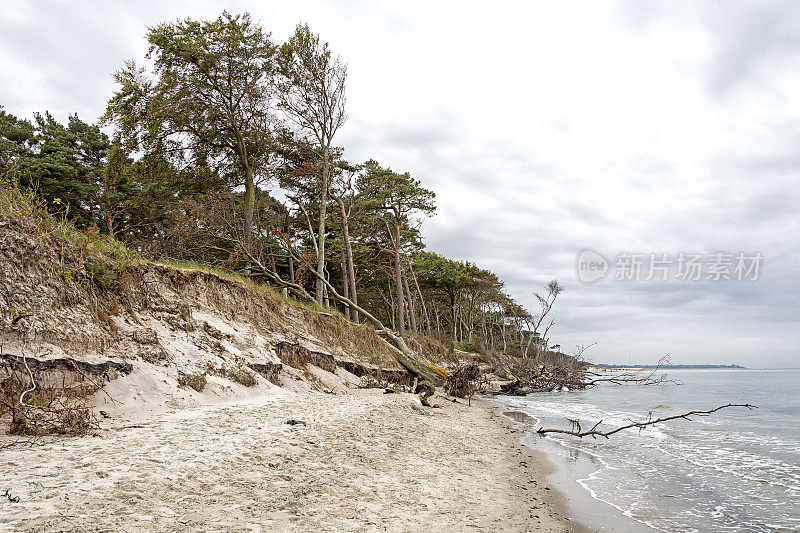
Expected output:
(545, 128)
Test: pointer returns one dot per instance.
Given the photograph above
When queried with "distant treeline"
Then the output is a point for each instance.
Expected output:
(187, 158)
(674, 367)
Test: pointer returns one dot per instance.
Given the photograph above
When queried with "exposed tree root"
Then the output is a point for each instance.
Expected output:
(414, 363)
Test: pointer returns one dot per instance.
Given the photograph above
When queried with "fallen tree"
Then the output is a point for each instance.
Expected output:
(411, 361)
(594, 432)
(620, 378)
(572, 372)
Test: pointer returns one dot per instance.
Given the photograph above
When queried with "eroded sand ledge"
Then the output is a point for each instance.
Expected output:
(364, 461)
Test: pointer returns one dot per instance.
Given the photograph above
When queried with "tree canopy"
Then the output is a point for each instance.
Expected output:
(219, 150)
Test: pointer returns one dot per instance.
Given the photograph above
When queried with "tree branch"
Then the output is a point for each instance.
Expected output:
(594, 432)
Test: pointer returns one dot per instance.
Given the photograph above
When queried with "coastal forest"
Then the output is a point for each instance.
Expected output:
(218, 149)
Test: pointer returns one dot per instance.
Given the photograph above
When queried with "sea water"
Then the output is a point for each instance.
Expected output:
(736, 470)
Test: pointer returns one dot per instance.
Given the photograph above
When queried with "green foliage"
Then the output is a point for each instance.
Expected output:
(63, 163)
(207, 101)
(17, 141)
(381, 188)
(110, 275)
(38, 400)
(18, 313)
(65, 275)
(440, 273)
(467, 346)
(17, 202)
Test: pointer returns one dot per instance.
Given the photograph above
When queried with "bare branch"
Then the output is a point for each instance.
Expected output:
(631, 377)
(594, 432)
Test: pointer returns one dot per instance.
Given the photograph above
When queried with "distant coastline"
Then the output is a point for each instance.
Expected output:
(675, 367)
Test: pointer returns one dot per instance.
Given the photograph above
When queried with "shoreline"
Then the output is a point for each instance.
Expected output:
(362, 461)
(577, 503)
(539, 468)
(734, 471)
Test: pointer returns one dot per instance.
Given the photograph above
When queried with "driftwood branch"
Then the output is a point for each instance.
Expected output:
(594, 432)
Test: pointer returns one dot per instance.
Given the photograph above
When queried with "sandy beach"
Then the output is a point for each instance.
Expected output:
(360, 461)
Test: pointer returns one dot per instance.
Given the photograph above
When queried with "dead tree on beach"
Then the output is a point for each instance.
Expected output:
(595, 432)
(572, 372)
(621, 378)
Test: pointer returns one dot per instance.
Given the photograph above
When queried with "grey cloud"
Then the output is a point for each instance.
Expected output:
(748, 34)
(744, 35)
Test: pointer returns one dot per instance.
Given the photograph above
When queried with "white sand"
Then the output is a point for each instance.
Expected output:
(364, 461)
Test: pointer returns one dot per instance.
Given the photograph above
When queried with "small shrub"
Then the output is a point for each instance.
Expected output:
(238, 373)
(109, 275)
(242, 375)
(467, 346)
(195, 380)
(18, 313)
(65, 275)
(38, 400)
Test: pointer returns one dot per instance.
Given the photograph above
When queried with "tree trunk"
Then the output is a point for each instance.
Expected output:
(504, 333)
(249, 206)
(452, 297)
(351, 273)
(109, 222)
(398, 280)
(485, 334)
(323, 206)
(414, 363)
(249, 203)
(288, 243)
(346, 287)
(469, 317)
(421, 299)
(392, 313)
(411, 312)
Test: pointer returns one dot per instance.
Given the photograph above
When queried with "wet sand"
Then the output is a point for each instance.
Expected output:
(575, 501)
